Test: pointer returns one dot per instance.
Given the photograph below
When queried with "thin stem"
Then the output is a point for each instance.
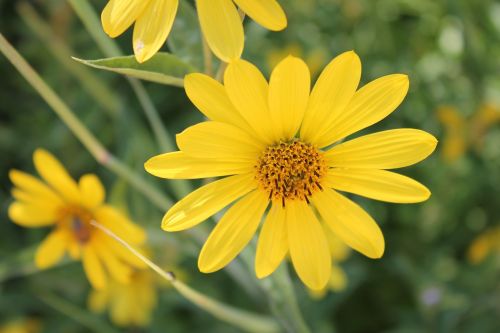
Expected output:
(90, 142)
(207, 57)
(245, 320)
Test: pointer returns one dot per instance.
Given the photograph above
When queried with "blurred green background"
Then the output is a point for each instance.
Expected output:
(427, 281)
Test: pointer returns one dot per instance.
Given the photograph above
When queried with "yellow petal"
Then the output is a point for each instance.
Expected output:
(210, 97)
(117, 222)
(117, 269)
(34, 200)
(52, 249)
(199, 205)
(273, 245)
(233, 232)
(338, 248)
(178, 165)
(222, 28)
(378, 184)
(152, 27)
(56, 175)
(338, 279)
(369, 105)
(383, 150)
(308, 247)
(98, 300)
(118, 15)
(31, 216)
(93, 268)
(350, 223)
(248, 90)
(120, 251)
(34, 187)
(215, 140)
(288, 96)
(92, 191)
(331, 94)
(267, 13)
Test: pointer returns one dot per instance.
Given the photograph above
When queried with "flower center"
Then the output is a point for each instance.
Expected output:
(77, 219)
(291, 170)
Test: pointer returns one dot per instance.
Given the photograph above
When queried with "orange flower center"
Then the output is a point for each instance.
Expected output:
(291, 170)
(77, 219)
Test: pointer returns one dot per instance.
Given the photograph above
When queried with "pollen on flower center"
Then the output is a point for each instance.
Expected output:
(77, 219)
(290, 170)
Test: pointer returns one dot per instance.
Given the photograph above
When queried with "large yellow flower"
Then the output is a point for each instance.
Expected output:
(219, 19)
(69, 207)
(273, 142)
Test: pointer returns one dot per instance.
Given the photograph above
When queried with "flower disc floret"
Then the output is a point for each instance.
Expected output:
(291, 170)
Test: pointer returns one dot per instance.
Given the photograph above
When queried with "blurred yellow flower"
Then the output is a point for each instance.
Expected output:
(69, 207)
(21, 326)
(272, 140)
(461, 133)
(485, 244)
(338, 279)
(219, 19)
(129, 304)
(315, 58)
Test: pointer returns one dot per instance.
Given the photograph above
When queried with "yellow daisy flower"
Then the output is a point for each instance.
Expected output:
(219, 19)
(129, 304)
(272, 141)
(69, 207)
(485, 244)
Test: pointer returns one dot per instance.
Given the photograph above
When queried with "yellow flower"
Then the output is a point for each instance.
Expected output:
(129, 304)
(219, 19)
(273, 142)
(461, 133)
(69, 207)
(21, 326)
(486, 243)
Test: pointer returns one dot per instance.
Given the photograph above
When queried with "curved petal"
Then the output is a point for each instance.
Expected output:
(377, 184)
(93, 268)
(248, 90)
(118, 270)
(331, 94)
(350, 223)
(273, 245)
(120, 251)
(214, 140)
(308, 246)
(117, 222)
(369, 105)
(178, 165)
(383, 150)
(222, 28)
(199, 205)
(92, 191)
(56, 175)
(99, 300)
(52, 249)
(233, 232)
(118, 15)
(36, 188)
(210, 97)
(31, 216)
(152, 28)
(267, 13)
(289, 88)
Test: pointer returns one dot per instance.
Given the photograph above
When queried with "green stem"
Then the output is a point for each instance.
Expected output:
(90, 142)
(79, 315)
(245, 320)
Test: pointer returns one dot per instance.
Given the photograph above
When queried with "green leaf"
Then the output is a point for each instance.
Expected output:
(185, 38)
(162, 68)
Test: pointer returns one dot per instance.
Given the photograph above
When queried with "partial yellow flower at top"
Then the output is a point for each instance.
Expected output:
(462, 134)
(21, 326)
(219, 19)
(129, 304)
(69, 207)
(273, 142)
(485, 244)
(315, 58)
